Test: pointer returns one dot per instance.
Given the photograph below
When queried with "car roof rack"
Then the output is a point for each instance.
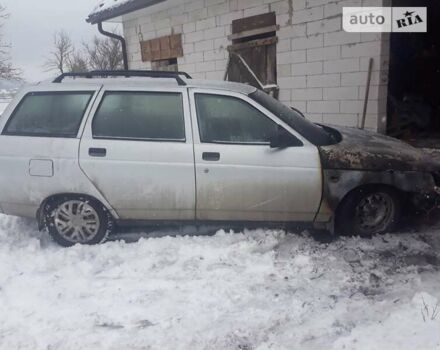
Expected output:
(126, 74)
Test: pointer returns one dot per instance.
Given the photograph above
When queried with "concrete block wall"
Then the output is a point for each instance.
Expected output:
(322, 70)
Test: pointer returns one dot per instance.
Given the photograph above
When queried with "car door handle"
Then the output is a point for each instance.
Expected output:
(211, 156)
(97, 152)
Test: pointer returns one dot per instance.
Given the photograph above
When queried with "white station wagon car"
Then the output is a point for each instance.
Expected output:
(91, 151)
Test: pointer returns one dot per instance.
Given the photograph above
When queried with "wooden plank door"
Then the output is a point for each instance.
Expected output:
(260, 58)
(254, 42)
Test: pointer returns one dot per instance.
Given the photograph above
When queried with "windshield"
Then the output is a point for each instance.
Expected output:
(312, 132)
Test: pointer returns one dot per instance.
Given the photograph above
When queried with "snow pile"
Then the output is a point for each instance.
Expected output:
(6, 96)
(106, 5)
(408, 330)
(260, 289)
(3, 105)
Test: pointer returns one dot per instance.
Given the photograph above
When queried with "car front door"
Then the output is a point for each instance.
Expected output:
(239, 177)
(137, 149)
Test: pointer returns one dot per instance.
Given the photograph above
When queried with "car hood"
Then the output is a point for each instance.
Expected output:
(366, 150)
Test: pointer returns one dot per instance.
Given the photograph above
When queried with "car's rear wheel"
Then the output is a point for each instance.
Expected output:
(77, 220)
(368, 211)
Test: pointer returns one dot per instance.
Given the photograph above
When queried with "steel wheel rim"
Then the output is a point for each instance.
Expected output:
(76, 221)
(374, 213)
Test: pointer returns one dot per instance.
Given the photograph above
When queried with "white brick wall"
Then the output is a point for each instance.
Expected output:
(322, 70)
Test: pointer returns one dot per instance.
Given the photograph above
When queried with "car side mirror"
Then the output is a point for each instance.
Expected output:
(284, 139)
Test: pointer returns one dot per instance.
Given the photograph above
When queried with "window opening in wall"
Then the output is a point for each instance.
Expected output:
(168, 65)
(252, 55)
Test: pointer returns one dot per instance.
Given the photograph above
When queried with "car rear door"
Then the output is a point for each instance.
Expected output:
(137, 149)
(239, 176)
(39, 142)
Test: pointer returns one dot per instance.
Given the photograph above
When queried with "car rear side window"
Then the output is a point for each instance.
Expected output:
(226, 119)
(49, 114)
(153, 116)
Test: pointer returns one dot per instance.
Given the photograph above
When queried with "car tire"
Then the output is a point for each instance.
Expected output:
(369, 210)
(78, 219)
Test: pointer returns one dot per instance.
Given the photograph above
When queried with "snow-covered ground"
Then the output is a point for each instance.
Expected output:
(261, 289)
(3, 105)
(6, 97)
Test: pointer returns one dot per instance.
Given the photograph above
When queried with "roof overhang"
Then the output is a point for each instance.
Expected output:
(104, 13)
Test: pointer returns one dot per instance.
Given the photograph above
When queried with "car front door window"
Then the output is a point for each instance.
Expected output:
(227, 119)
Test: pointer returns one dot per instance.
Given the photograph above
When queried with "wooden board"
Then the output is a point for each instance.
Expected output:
(254, 22)
(253, 32)
(253, 43)
(163, 48)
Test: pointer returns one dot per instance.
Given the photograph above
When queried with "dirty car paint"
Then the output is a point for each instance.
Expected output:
(339, 182)
(367, 158)
(365, 150)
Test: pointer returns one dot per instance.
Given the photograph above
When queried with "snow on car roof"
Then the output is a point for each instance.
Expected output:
(146, 82)
(221, 85)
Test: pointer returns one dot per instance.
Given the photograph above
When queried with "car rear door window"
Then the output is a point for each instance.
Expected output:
(140, 116)
(227, 119)
(51, 114)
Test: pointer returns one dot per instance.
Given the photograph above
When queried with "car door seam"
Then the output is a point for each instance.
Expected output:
(189, 94)
(107, 203)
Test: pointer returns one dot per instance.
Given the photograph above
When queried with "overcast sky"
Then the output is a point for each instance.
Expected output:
(32, 23)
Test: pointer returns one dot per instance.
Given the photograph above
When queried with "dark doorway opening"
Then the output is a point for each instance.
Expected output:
(414, 80)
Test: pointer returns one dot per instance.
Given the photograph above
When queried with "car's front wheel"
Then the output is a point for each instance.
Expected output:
(74, 220)
(368, 211)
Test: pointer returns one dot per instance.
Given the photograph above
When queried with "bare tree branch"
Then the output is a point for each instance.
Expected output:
(104, 54)
(77, 62)
(59, 57)
(7, 70)
(100, 54)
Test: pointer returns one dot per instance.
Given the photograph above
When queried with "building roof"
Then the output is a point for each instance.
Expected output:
(108, 9)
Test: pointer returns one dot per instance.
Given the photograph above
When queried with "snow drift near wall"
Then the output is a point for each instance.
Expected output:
(258, 289)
